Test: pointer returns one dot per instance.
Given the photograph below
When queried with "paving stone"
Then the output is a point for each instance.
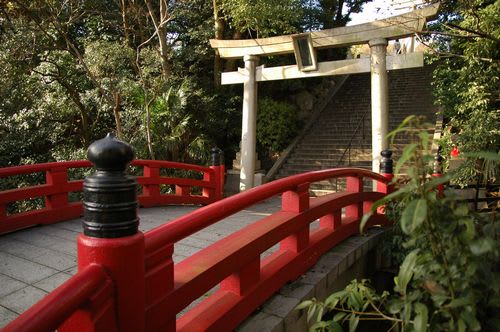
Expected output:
(64, 246)
(22, 299)
(71, 225)
(9, 285)
(22, 249)
(56, 260)
(195, 242)
(184, 250)
(35, 238)
(22, 269)
(62, 233)
(6, 316)
(52, 282)
(72, 271)
(261, 322)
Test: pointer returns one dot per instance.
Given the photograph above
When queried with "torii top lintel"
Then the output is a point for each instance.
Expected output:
(390, 28)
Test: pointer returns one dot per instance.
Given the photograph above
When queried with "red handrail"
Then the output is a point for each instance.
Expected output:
(89, 291)
(234, 262)
(56, 189)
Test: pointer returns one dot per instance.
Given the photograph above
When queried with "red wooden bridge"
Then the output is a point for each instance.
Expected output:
(127, 281)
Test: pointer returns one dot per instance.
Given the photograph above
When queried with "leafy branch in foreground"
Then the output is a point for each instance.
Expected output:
(449, 279)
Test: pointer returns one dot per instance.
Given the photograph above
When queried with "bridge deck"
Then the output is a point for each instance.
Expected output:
(35, 261)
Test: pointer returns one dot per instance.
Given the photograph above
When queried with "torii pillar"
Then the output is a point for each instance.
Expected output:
(249, 123)
(379, 99)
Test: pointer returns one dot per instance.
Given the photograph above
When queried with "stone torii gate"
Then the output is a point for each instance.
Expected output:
(376, 34)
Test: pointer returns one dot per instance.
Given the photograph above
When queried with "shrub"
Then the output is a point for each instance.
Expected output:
(277, 124)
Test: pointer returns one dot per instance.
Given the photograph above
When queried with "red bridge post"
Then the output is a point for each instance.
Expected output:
(218, 176)
(110, 236)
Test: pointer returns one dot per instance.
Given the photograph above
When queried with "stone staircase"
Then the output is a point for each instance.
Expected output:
(346, 122)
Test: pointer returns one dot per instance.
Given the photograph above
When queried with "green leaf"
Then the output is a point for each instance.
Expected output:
(462, 327)
(470, 319)
(336, 327)
(460, 302)
(339, 316)
(395, 306)
(413, 215)
(353, 323)
(337, 295)
(407, 154)
(436, 181)
(303, 304)
(364, 220)
(482, 246)
(406, 271)
(488, 155)
(355, 301)
(470, 230)
(420, 321)
(319, 326)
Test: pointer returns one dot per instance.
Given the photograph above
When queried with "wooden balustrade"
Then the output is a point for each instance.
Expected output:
(57, 187)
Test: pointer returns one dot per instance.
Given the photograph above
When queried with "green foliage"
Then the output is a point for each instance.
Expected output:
(277, 124)
(467, 78)
(450, 277)
(266, 17)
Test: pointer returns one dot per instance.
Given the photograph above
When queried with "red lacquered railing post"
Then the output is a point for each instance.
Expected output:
(111, 238)
(243, 281)
(386, 170)
(216, 192)
(296, 201)
(354, 184)
(57, 177)
(151, 192)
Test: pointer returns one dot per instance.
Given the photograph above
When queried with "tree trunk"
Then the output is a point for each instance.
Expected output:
(162, 34)
(219, 34)
(148, 130)
(116, 113)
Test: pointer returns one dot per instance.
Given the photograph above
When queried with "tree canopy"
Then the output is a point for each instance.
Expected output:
(73, 70)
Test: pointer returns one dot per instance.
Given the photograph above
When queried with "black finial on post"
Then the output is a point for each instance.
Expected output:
(109, 196)
(386, 162)
(216, 154)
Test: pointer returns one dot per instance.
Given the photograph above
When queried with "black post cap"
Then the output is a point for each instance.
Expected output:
(109, 195)
(386, 162)
(110, 154)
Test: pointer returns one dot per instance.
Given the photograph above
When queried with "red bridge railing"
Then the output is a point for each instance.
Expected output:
(57, 188)
(150, 290)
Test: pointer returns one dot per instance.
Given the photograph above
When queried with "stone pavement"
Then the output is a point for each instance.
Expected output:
(35, 261)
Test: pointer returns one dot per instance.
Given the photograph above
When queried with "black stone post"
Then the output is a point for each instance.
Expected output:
(386, 170)
(438, 159)
(109, 196)
(215, 156)
(386, 162)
